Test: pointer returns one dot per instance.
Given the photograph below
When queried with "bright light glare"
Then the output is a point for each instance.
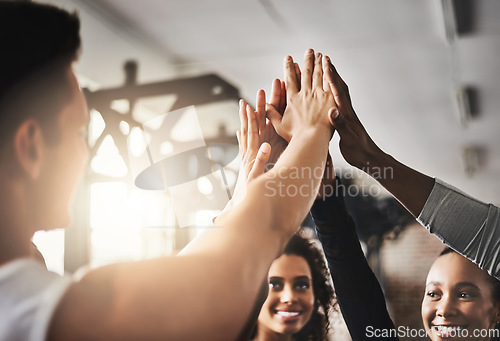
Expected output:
(128, 223)
(136, 142)
(51, 245)
(112, 196)
(166, 148)
(121, 105)
(205, 186)
(120, 219)
(96, 126)
(124, 128)
(108, 160)
(204, 218)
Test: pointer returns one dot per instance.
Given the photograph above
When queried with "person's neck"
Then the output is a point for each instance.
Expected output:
(15, 234)
(15, 241)
(264, 334)
(13, 247)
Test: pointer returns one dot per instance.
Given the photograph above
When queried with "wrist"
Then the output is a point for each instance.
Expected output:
(314, 132)
(377, 164)
(365, 155)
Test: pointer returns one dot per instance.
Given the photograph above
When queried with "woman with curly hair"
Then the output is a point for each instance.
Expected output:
(299, 298)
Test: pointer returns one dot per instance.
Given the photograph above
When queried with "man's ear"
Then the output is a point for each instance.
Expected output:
(28, 147)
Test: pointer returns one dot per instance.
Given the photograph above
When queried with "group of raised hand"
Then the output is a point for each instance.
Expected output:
(316, 96)
(315, 100)
(266, 131)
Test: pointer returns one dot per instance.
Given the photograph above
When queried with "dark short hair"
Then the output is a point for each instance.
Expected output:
(492, 281)
(38, 43)
(317, 326)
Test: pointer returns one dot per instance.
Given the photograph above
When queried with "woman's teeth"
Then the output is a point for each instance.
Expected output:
(446, 330)
(287, 313)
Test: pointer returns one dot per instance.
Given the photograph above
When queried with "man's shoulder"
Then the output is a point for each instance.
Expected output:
(26, 277)
(21, 267)
(29, 295)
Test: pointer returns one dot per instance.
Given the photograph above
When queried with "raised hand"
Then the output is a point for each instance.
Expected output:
(409, 186)
(308, 97)
(356, 145)
(278, 103)
(254, 151)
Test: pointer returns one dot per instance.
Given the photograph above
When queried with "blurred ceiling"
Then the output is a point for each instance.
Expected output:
(401, 68)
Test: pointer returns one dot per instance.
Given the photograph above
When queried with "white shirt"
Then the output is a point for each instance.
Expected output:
(29, 295)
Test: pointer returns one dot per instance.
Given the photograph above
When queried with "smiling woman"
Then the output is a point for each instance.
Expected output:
(461, 300)
(299, 298)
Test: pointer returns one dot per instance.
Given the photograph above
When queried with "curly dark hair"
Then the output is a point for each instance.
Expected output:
(317, 327)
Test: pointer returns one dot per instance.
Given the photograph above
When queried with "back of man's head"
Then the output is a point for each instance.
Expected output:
(38, 43)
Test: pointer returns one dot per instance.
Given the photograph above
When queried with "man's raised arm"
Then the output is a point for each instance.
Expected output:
(208, 293)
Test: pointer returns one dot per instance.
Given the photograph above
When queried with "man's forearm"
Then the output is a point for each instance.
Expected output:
(293, 182)
(176, 298)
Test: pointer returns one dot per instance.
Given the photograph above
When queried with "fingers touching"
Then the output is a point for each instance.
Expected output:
(307, 70)
(326, 73)
(317, 75)
(276, 95)
(317, 78)
(298, 73)
(283, 98)
(248, 135)
(253, 131)
(291, 81)
(261, 109)
(337, 85)
(254, 153)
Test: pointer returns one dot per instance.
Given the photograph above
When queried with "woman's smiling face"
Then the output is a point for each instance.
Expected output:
(290, 301)
(458, 300)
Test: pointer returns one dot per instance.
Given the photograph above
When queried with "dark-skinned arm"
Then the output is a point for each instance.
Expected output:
(467, 225)
(359, 295)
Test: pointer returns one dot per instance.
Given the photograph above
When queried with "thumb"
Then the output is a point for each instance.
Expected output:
(260, 161)
(336, 119)
(273, 115)
(276, 118)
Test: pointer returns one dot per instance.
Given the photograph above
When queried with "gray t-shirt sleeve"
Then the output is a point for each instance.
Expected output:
(467, 225)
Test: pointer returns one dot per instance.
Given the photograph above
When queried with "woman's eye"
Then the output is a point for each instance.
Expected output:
(275, 285)
(303, 286)
(432, 294)
(465, 295)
